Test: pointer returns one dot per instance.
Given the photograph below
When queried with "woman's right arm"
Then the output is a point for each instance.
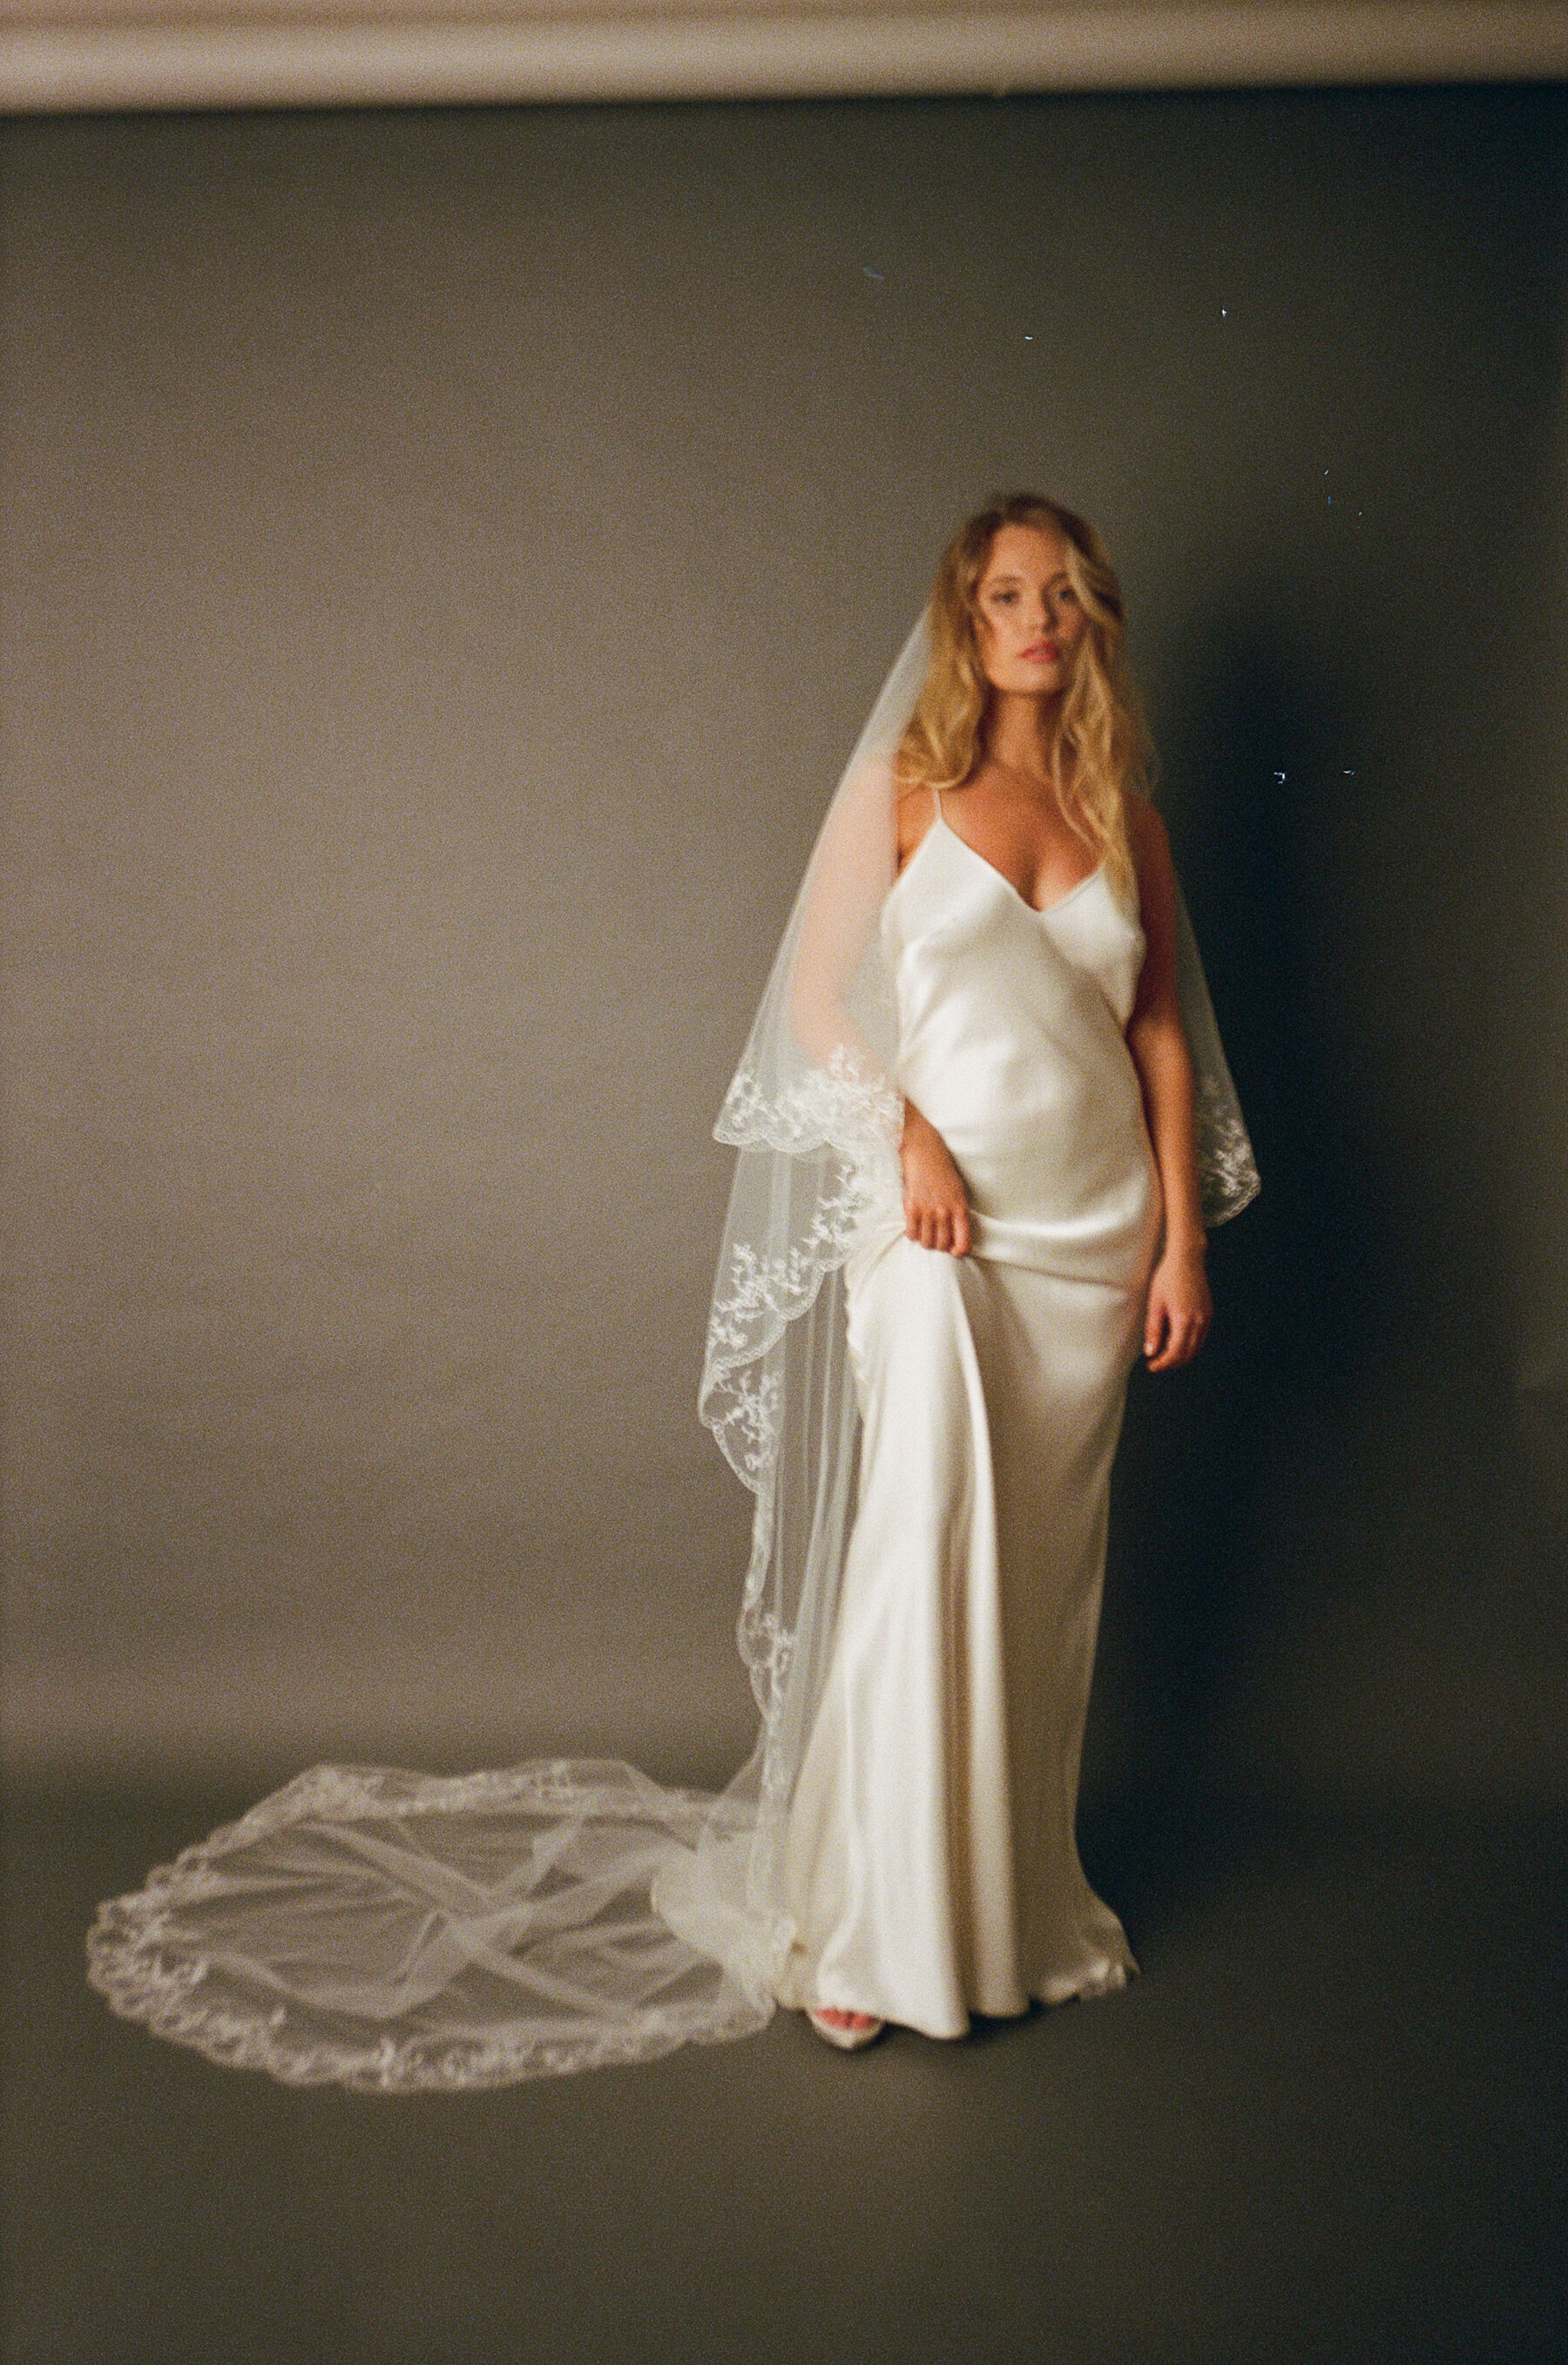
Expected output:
(935, 1203)
(855, 867)
(936, 1199)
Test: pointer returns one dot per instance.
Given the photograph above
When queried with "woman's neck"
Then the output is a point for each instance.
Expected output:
(1019, 733)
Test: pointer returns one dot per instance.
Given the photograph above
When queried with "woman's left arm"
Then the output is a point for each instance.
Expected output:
(1179, 1308)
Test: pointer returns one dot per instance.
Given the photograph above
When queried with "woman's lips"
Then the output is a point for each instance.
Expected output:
(1043, 652)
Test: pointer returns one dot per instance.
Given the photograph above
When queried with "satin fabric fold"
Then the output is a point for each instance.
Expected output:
(932, 1866)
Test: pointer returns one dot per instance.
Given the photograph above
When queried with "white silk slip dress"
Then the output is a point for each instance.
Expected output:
(932, 1863)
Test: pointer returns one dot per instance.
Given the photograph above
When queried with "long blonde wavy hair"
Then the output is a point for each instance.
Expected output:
(1101, 747)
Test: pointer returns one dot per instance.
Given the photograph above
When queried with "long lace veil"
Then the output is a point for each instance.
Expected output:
(393, 1930)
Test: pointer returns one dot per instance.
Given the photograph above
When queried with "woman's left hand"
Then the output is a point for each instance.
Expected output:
(1179, 1308)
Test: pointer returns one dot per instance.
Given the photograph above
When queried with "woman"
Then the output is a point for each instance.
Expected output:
(966, 1187)
(1051, 1220)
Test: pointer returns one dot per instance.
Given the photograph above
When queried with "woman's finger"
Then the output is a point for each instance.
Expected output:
(938, 1226)
(1185, 1335)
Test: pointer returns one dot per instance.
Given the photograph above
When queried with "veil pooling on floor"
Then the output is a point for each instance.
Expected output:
(396, 1931)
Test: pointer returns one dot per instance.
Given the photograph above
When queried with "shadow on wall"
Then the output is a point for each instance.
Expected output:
(1321, 1560)
(1295, 1320)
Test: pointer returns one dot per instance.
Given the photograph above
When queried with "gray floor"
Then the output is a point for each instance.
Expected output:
(1325, 2124)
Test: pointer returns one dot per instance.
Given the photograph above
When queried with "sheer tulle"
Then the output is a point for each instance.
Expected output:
(390, 1929)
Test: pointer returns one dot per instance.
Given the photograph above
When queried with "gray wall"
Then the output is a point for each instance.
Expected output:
(448, 557)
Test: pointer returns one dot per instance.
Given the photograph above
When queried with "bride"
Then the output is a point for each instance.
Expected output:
(1052, 1221)
(981, 1119)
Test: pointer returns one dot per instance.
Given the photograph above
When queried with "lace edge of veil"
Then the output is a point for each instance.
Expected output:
(1227, 1171)
(846, 1122)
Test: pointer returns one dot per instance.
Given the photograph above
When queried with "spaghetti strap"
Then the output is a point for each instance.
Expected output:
(937, 794)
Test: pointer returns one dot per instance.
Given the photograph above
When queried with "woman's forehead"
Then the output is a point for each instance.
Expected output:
(1027, 550)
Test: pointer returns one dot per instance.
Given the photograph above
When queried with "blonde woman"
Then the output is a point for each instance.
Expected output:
(1052, 1228)
(968, 1191)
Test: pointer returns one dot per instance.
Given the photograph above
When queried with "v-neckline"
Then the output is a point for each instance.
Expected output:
(1035, 910)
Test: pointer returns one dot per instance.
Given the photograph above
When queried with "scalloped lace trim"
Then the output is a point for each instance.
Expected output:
(837, 1104)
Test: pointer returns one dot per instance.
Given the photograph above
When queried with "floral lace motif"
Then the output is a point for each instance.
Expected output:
(849, 1123)
(833, 1130)
(837, 1102)
(1226, 1170)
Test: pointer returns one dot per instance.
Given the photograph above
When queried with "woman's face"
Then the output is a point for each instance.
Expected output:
(1030, 622)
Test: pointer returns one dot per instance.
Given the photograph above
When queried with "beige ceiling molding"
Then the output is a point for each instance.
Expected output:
(118, 54)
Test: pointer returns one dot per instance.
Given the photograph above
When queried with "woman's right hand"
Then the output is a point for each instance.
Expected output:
(935, 1204)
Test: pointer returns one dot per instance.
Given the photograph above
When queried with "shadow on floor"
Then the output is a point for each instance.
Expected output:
(1325, 2124)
